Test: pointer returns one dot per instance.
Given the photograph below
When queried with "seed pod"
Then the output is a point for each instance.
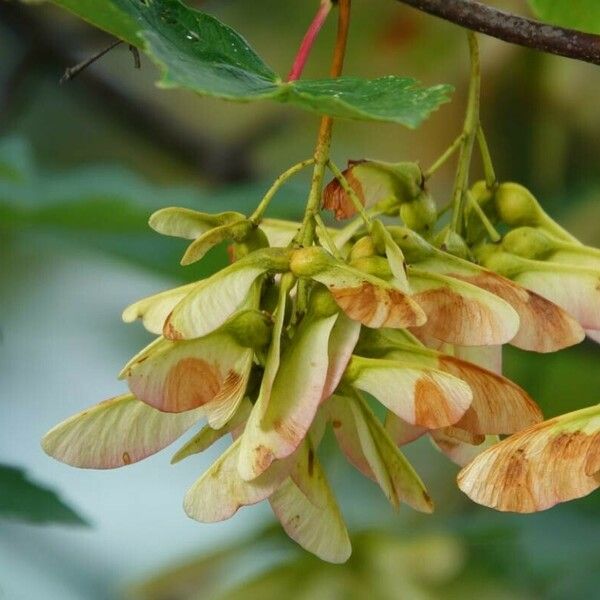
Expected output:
(363, 248)
(255, 240)
(250, 328)
(530, 242)
(420, 214)
(452, 243)
(374, 265)
(413, 246)
(517, 206)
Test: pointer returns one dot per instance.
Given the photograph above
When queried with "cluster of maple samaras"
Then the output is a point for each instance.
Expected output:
(286, 340)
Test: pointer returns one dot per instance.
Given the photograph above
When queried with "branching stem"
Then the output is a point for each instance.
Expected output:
(257, 215)
(306, 233)
(469, 131)
(488, 166)
(475, 206)
(447, 155)
(321, 155)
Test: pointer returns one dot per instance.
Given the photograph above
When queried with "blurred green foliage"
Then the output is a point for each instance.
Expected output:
(578, 14)
(25, 500)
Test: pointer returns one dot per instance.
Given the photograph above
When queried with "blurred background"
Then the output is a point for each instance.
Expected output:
(83, 164)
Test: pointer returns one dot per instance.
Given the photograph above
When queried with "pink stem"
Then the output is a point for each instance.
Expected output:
(309, 40)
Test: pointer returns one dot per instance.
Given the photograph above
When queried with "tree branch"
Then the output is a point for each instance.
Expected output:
(513, 28)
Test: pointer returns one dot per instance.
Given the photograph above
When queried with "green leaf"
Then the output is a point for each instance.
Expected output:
(578, 14)
(396, 99)
(115, 16)
(27, 501)
(198, 52)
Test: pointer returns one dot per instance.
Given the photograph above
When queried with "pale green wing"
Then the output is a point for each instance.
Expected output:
(235, 231)
(187, 223)
(220, 492)
(154, 310)
(394, 255)
(368, 446)
(279, 232)
(295, 396)
(316, 526)
(342, 341)
(207, 436)
(246, 455)
(115, 433)
(212, 301)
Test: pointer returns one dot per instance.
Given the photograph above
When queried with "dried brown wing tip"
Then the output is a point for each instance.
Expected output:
(337, 200)
(592, 463)
(544, 326)
(499, 406)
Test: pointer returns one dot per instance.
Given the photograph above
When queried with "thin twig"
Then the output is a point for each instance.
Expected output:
(513, 28)
(470, 131)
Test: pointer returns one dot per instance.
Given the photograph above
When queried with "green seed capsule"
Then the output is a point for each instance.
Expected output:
(364, 247)
(530, 242)
(322, 304)
(251, 328)
(419, 214)
(373, 265)
(307, 262)
(452, 243)
(254, 240)
(517, 206)
(413, 246)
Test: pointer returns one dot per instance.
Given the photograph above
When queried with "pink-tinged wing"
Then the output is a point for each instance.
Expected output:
(183, 375)
(421, 396)
(544, 326)
(499, 406)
